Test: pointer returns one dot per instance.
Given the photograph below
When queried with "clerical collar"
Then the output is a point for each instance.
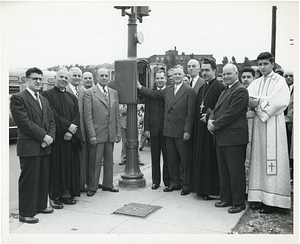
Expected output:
(208, 82)
(61, 90)
(229, 86)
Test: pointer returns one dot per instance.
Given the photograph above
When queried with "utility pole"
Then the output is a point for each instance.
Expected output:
(273, 41)
(132, 176)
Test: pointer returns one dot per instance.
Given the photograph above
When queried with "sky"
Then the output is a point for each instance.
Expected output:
(46, 34)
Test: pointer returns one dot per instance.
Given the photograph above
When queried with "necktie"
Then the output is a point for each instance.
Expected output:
(105, 95)
(76, 92)
(191, 83)
(38, 99)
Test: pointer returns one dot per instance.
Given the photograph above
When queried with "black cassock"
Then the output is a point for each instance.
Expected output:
(64, 164)
(205, 166)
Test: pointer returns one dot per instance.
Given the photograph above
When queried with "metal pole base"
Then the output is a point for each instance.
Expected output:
(132, 183)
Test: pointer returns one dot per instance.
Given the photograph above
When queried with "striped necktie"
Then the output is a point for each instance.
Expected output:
(38, 99)
(76, 92)
(105, 95)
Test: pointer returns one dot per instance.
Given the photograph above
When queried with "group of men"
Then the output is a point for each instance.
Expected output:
(65, 135)
(214, 133)
(218, 137)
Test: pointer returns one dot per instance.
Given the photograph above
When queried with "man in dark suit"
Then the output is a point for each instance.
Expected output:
(193, 68)
(229, 125)
(76, 89)
(178, 125)
(103, 127)
(35, 121)
(153, 125)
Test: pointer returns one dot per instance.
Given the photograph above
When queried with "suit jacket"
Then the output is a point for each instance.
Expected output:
(101, 120)
(154, 115)
(231, 126)
(81, 92)
(179, 109)
(199, 83)
(33, 123)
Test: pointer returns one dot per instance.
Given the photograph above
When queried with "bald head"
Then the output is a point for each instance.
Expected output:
(230, 74)
(193, 68)
(87, 79)
(289, 77)
(75, 75)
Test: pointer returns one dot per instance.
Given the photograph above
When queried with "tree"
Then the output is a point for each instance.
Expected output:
(225, 60)
(247, 62)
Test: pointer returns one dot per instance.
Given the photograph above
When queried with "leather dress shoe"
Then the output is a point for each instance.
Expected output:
(237, 209)
(84, 189)
(122, 163)
(110, 189)
(56, 204)
(207, 197)
(45, 210)
(100, 185)
(265, 209)
(255, 206)
(140, 163)
(222, 204)
(171, 188)
(154, 186)
(90, 193)
(28, 220)
(68, 201)
(184, 192)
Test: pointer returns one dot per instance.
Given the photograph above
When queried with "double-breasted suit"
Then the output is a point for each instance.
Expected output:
(102, 120)
(33, 124)
(231, 135)
(84, 156)
(154, 122)
(178, 118)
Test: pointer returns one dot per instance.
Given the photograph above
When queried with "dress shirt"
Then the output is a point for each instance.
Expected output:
(36, 97)
(177, 87)
(194, 80)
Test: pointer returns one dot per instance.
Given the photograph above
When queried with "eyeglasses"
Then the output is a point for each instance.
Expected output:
(36, 78)
(289, 76)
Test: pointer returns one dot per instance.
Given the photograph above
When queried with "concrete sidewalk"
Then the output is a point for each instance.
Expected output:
(94, 215)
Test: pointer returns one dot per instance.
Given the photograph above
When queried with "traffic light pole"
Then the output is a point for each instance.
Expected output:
(132, 176)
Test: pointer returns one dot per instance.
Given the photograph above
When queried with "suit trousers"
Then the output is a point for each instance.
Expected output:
(33, 184)
(158, 146)
(84, 165)
(231, 162)
(123, 151)
(96, 154)
(179, 155)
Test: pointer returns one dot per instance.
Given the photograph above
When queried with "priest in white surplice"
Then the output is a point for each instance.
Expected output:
(269, 176)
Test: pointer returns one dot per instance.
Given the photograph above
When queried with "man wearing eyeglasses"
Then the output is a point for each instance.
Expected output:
(35, 121)
(289, 112)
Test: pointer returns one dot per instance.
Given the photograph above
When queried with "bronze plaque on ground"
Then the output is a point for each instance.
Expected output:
(137, 210)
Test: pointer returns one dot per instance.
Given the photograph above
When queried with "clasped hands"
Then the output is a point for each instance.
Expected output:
(71, 131)
(46, 141)
(210, 126)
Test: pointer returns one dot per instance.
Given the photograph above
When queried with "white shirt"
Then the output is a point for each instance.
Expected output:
(233, 84)
(33, 95)
(194, 80)
(101, 88)
(73, 89)
(177, 87)
(161, 88)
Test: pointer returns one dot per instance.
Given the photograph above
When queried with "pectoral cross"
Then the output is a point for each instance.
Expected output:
(201, 107)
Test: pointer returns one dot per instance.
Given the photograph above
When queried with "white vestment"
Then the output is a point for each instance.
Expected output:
(269, 176)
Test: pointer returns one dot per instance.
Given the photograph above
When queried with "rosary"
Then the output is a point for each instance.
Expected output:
(203, 97)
